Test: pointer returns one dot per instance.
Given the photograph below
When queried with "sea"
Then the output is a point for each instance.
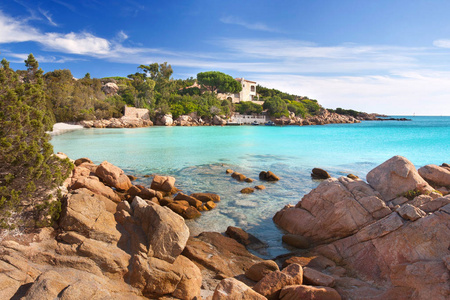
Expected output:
(199, 156)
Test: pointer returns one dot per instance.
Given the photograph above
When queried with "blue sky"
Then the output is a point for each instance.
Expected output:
(381, 56)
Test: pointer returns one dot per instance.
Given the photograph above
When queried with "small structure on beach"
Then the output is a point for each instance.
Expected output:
(137, 113)
(237, 118)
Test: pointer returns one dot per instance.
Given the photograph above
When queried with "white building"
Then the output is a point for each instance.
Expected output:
(248, 93)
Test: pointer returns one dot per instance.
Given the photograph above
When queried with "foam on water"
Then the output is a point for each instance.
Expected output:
(199, 156)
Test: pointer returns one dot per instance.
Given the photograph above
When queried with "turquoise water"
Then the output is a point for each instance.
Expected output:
(198, 157)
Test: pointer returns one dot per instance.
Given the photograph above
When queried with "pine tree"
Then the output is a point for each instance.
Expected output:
(28, 169)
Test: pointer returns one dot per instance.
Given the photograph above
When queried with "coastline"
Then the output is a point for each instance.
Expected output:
(60, 128)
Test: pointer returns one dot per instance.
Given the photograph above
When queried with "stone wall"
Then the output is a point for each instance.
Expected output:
(133, 112)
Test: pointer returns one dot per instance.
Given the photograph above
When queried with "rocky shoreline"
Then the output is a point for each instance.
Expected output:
(385, 239)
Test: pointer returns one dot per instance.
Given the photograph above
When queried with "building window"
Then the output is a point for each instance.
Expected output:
(252, 88)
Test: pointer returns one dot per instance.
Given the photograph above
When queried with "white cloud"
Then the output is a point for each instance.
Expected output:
(422, 93)
(48, 16)
(13, 31)
(76, 43)
(443, 43)
(254, 26)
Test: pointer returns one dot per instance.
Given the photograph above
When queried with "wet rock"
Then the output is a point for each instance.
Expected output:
(191, 200)
(395, 177)
(268, 176)
(261, 269)
(249, 180)
(318, 173)
(191, 213)
(229, 171)
(132, 177)
(205, 197)
(113, 176)
(248, 240)
(166, 231)
(231, 288)
(238, 176)
(296, 241)
(247, 190)
(351, 176)
(260, 187)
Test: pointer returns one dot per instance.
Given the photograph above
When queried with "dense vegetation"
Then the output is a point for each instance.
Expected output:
(29, 169)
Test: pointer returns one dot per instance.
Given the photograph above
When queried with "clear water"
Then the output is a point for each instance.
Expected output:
(198, 157)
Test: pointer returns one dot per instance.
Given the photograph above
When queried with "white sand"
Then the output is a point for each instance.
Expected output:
(60, 128)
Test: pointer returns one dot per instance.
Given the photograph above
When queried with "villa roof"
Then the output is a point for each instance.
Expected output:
(240, 79)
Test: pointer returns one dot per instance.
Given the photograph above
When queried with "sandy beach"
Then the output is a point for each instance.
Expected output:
(60, 128)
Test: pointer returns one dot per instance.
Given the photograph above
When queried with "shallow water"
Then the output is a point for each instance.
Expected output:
(199, 156)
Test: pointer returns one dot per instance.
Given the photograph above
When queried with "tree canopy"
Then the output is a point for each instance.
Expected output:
(219, 82)
(28, 165)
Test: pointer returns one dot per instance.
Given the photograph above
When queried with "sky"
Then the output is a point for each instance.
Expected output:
(383, 56)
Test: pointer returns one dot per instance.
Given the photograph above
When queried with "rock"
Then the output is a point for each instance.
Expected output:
(47, 286)
(95, 186)
(167, 120)
(333, 210)
(395, 177)
(261, 269)
(83, 160)
(163, 183)
(87, 215)
(247, 190)
(312, 261)
(219, 254)
(191, 200)
(219, 121)
(132, 177)
(318, 173)
(296, 241)
(146, 193)
(177, 208)
(113, 176)
(268, 176)
(411, 213)
(166, 232)
(271, 285)
(229, 171)
(238, 176)
(249, 180)
(248, 240)
(434, 205)
(313, 277)
(157, 278)
(110, 88)
(435, 175)
(309, 292)
(351, 176)
(205, 197)
(231, 288)
(191, 213)
(210, 205)
(260, 187)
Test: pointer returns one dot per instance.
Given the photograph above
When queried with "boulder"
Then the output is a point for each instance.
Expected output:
(411, 213)
(219, 254)
(260, 187)
(296, 240)
(110, 88)
(163, 183)
(95, 186)
(113, 176)
(191, 213)
(191, 200)
(396, 177)
(167, 120)
(219, 121)
(156, 278)
(205, 197)
(166, 231)
(47, 286)
(83, 160)
(435, 175)
(261, 269)
(87, 215)
(318, 173)
(295, 292)
(248, 240)
(268, 176)
(238, 176)
(314, 277)
(231, 288)
(335, 209)
(271, 284)
(229, 171)
(247, 190)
